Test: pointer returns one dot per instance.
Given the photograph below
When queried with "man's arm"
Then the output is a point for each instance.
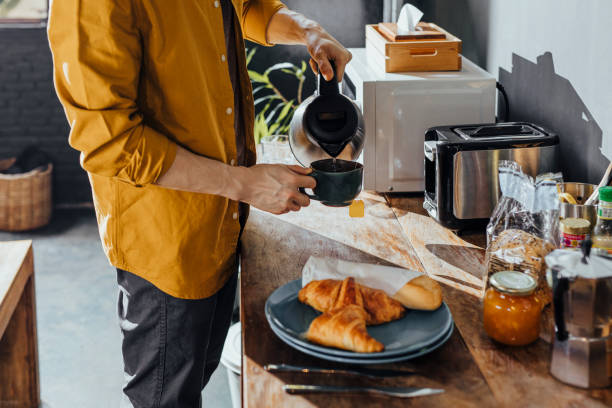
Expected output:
(289, 27)
(96, 56)
(269, 187)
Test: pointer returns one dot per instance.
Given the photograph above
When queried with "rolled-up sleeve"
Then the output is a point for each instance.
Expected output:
(97, 54)
(256, 15)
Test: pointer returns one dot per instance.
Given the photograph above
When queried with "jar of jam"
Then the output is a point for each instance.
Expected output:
(512, 312)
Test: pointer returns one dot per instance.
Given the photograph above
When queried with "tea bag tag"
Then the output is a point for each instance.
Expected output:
(357, 209)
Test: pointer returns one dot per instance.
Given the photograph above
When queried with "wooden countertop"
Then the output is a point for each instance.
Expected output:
(472, 369)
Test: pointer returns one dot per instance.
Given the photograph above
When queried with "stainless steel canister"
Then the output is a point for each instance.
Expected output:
(580, 192)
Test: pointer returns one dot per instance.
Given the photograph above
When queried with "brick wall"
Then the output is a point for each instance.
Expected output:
(30, 113)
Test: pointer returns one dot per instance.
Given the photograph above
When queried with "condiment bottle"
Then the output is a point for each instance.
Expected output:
(602, 233)
(511, 311)
(574, 231)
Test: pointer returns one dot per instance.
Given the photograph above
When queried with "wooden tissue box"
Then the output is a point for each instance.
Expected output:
(430, 48)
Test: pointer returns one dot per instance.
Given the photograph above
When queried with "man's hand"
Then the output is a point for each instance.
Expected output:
(323, 48)
(273, 187)
(289, 27)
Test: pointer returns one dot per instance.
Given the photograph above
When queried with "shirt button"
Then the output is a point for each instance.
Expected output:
(223, 57)
(216, 3)
(228, 111)
(235, 215)
(233, 162)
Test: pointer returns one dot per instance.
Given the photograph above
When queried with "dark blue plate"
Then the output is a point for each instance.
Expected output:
(415, 331)
(360, 360)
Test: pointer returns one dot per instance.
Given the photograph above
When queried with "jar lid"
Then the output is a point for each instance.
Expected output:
(575, 226)
(513, 282)
(605, 193)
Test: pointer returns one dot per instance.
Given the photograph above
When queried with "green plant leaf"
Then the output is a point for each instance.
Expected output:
(273, 112)
(276, 115)
(250, 54)
(280, 65)
(265, 98)
(264, 110)
(257, 77)
(283, 113)
(259, 88)
(286, 122)
(261, 128)
(283, 130)
(273, 128)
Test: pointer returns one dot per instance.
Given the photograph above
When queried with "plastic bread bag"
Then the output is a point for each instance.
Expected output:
(524, 226)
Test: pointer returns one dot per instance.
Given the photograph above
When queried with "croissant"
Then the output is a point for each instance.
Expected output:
(344, 328)
(349, 294)
(321, 294)
(329, 294)
(380, 307)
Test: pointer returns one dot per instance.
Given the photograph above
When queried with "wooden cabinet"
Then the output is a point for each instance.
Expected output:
(19, 384)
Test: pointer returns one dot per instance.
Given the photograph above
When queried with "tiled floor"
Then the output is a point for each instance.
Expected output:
(78, 333)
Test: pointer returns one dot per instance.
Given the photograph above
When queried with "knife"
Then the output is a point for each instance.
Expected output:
(400, 392)
(368, 372)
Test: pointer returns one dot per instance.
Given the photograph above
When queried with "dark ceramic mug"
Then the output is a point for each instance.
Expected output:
(338, 183)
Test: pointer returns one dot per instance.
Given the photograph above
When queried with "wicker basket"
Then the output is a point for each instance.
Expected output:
(25, 199)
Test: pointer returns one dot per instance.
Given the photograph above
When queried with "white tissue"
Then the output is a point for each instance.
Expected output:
(409, 17)
(386, 278)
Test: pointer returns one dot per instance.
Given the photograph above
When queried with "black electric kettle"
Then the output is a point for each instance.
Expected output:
(327, 124)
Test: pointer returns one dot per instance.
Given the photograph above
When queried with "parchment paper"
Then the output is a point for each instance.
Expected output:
(387, 278)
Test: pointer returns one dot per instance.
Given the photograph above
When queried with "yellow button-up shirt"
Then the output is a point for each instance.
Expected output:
(136, 78)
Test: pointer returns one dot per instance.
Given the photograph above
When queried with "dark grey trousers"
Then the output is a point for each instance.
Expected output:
(171, 346)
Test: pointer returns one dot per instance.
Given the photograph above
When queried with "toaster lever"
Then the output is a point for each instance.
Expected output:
(431, 148)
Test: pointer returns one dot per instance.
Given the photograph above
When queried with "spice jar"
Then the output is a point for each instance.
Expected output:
(511, 310)
(574, 231)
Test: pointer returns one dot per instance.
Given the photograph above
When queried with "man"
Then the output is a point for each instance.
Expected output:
(160, 106)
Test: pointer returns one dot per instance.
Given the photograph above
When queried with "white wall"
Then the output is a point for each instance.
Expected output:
(555, 59)
(576, 32)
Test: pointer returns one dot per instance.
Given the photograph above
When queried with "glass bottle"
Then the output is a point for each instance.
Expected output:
(602, 233)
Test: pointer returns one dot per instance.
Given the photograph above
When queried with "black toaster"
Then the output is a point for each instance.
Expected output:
(461, 167)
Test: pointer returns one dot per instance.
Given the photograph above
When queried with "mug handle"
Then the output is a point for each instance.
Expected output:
(311, 196)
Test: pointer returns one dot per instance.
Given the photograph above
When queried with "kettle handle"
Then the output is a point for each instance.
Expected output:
(328, 87)
(560, 286)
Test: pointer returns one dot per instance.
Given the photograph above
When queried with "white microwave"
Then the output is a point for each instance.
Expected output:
(398, 108)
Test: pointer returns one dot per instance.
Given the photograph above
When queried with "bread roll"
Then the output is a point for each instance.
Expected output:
(517, 250)
(421, 293)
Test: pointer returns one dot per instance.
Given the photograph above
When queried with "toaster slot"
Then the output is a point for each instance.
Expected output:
(509, 131)
(488, 131)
